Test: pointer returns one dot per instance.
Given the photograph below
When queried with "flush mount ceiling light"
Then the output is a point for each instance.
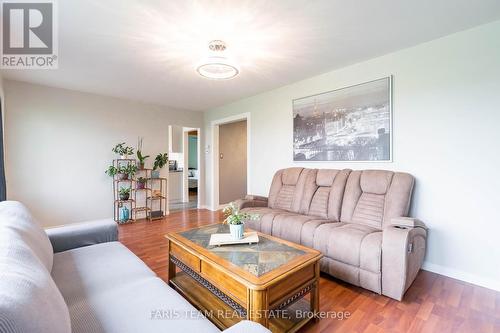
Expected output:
(217, 66)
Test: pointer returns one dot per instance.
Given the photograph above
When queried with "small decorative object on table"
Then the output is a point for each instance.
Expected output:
(228, 239)
(236, 220)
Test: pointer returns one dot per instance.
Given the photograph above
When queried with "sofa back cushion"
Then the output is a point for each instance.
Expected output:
(16, 218)
(374, 197)
(323, 192)
(287, 189)
(29, 298)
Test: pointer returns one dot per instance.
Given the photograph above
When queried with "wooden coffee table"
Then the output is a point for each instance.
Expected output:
(264, 282)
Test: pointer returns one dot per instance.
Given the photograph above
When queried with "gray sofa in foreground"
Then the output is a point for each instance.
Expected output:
(79, 279)
(357, 219)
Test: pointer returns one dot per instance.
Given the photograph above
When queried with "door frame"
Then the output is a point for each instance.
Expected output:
(215, 153)
(185, 144)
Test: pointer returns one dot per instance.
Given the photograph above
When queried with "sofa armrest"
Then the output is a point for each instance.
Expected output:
(247, 326)
(251, 201)
(256, 197)
(403, 251)
(410, 222)
(71, 236)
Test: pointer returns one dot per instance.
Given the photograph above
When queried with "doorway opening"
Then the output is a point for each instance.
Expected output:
(191, 190)
(184, 168)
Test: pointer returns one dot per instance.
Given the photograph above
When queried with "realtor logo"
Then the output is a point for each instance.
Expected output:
(29, 39)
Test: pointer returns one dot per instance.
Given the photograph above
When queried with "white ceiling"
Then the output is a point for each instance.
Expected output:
(148, 50)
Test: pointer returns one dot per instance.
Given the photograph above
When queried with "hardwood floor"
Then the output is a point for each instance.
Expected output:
(433, 303)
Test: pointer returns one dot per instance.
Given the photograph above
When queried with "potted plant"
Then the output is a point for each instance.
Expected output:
(236, 220)
(141, 158)
(120, 172)
(122, 150)
(160, 161)
(124, 193)
(141, 183)
(130, 170)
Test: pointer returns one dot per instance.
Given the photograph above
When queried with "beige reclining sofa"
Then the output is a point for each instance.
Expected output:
(357, 219)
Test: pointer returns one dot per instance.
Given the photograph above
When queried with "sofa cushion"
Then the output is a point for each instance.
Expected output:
(369, 210)
(143, 305)
(266, 217)
(105, 283)
(296, 228)
(15, 217)
(375, 181)
(287, 188)
(29, 298)
(350, 243)
(323, 191)
(355, 275)
(374, 197)
(262, 210)
(319, 202)
(95, 269)
(322, 235)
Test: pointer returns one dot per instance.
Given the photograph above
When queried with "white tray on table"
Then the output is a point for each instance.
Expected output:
(227, 239)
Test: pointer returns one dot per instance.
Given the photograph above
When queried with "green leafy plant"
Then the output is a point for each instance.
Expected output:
(122, 150)
(141, 183)
(160, 161)
(130, 169)
(140, 157)
(125, 191)
(112, 171)
(233, 216)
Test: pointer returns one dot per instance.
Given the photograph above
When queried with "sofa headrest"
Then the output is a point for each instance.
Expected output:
(15, 218)
(291, 176)
(29, 298)
(376, 181)
(325, 177)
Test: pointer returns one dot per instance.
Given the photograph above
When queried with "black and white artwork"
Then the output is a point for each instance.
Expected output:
(348, 124)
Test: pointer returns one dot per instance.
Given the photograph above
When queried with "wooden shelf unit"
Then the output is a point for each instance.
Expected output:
(116, 187)
(146, 206)
(142, 196)
(158, 184)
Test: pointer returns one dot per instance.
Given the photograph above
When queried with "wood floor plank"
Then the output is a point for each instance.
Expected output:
(433, 303)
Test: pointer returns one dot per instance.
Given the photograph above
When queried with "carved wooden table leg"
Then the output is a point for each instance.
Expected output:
(315, 294)
(171, 265)
(258, 307)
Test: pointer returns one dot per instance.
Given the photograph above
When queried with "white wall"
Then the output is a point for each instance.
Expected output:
(58, 145)
(446, 133)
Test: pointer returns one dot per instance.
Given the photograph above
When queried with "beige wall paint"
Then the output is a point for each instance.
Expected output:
(233, 165)
(446, 115)
(58, 145)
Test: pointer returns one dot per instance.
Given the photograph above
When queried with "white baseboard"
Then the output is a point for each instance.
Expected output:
(462, 276)
(207, 207)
